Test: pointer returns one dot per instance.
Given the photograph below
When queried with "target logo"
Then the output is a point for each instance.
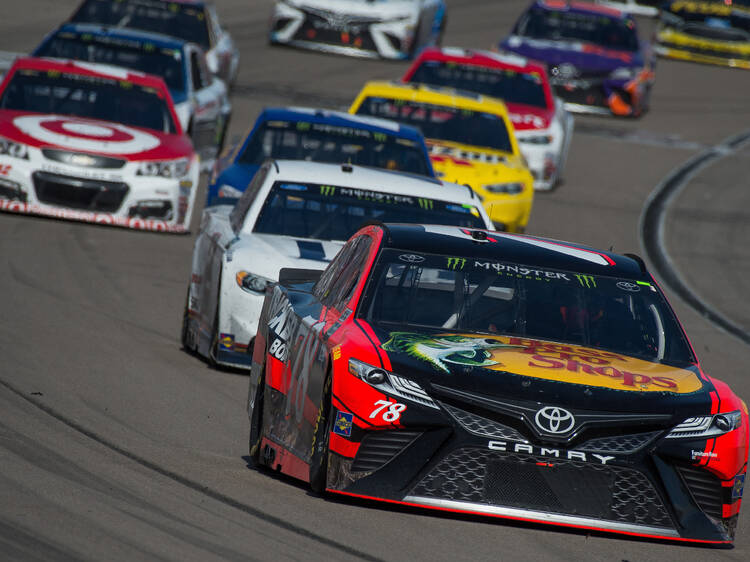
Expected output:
(80, 134)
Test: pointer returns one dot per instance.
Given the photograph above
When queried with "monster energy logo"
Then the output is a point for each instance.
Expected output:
(303, 126)
(327, 190)
(587, 281)
(426, 203)
(380, 137)
(456, 263)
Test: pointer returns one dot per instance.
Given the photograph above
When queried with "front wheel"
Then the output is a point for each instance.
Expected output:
(321, 436)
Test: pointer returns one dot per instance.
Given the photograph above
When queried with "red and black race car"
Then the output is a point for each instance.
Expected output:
(489, 373)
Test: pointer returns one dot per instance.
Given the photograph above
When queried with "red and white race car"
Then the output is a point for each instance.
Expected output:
(543, 127)
(94, 143)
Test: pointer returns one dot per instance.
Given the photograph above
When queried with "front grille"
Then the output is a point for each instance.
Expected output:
(481, 426)
(621, 444)
(346, 32)
(83, 159)
(592, 95)
(379, 447)
(550, 485)
(78, 193)
(705, 489)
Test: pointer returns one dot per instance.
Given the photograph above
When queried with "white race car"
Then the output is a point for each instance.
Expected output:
(296, 214)
(195, 21)
(392, 29)
(94, 143)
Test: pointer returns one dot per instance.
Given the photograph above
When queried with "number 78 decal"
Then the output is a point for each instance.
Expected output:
(393, 412)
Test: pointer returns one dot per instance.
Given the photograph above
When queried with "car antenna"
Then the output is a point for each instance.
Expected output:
(479, 235)
(347, 168)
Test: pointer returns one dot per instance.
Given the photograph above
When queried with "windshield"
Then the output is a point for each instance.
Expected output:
(140, 56)
(483, 296)
(327, 212)
(599, 29)
(186, 21)
(722, 23)
(441, 122)
(95, 97)
(506, 84)
(300, 140)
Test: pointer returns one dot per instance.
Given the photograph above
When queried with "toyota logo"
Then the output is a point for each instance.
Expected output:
(554, 420)
(627, 286)
(411, 258)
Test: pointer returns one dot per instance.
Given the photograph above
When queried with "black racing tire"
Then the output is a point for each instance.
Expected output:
(321, 436)
(214, 348)
(254, 457)
(184, 340)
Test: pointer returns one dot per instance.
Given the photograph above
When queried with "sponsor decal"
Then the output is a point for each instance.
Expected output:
(226, 342)
(628, 286)
(442, 351)
(551, 419)
(327, 190)
(529, 449)
(701, 455)
(427, 204)
(343, 424)
(543, 360)
(739, 485)
(13, 206)
(91, 136)
(336, 353)
(455, 263)
(515, 270)
(411, 258)
(5, 169)
(587, 281)
(535, 121)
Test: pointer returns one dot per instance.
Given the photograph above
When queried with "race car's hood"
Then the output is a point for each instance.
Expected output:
(712, 14)
(530, 370)
(465, 164)
(267, 254)
(377, 10)
(529, 118)
(92, 136)
(583, 56)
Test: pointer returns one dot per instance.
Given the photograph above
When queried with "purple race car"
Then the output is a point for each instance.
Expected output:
(596, 62)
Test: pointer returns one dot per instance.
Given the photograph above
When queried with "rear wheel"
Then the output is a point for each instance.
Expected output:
(321, 436)
(256, 424)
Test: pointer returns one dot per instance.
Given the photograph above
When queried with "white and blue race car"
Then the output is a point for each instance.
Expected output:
(296, 214)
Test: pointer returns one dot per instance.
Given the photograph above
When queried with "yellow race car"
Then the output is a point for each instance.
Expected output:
(471, 141)
(713, 32)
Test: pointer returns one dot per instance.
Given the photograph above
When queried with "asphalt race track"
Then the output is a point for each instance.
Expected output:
(117, 445)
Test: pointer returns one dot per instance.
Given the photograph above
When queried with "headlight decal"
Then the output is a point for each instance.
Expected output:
(164, 168)
(252, 283)
(703, 427)
(390, 383)
(14, 149)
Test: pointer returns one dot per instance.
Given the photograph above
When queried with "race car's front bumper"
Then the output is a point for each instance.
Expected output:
(677, 45)
(35, 185)
(344, 34)
(625, 483)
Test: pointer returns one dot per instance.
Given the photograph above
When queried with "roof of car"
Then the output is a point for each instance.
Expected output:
(435, 95)
(482, 58)
(373, 179)
(339, 118)
(156, 39)
(515, 248)
(88, 69)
